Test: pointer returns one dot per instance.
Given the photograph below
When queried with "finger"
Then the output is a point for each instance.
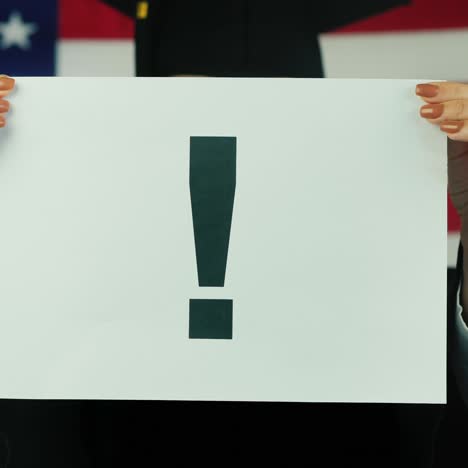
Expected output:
(455, 129)
(449, 110)
(434, 92)
(4, 106)
(6, 85)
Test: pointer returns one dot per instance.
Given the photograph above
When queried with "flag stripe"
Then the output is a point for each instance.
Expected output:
(419, 15)
(91, 19)
(95, 58)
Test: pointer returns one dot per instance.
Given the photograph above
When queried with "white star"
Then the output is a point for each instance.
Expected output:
(16, 32)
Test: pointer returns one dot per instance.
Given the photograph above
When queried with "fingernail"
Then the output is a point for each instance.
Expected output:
(452, 127)
(6, 82)
(432, 111)
(427, 90)
(4, 106)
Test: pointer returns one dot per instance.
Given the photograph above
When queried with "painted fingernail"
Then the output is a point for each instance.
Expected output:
(427, 90)
(4, 106)
(432, 111)
(452, 127)
(6, 82)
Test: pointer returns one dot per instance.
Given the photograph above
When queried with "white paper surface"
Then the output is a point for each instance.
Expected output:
(336, 261)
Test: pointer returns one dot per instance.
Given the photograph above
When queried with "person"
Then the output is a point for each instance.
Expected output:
(128, 433)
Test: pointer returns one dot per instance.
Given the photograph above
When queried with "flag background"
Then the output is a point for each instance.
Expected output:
(426, 40)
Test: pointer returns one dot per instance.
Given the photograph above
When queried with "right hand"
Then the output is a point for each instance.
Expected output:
(6, 86)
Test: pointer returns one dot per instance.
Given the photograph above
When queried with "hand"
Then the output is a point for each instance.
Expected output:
(6, 86)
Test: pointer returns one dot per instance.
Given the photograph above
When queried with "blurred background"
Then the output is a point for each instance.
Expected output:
(424, 40)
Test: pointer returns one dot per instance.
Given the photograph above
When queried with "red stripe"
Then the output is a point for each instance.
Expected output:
(90, 19)
(420, 15)
(453, 219)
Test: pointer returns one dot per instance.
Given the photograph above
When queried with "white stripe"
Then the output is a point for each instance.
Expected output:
(418, 55)
(452, 249)
(95, 58)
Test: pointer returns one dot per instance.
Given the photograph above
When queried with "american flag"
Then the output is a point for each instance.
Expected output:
(424, 40)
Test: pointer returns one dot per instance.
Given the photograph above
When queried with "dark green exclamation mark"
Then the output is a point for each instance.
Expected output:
(212, 188)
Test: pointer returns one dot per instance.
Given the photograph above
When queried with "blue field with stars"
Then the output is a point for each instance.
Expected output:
(28, 35)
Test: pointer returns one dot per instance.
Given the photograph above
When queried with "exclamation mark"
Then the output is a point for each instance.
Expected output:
(212, 188)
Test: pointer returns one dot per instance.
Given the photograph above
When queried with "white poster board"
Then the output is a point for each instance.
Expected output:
(337, 251)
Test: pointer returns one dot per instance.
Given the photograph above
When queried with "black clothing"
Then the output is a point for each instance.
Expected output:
(268, 38)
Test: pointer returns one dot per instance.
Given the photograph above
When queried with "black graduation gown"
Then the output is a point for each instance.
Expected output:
(266, 38)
